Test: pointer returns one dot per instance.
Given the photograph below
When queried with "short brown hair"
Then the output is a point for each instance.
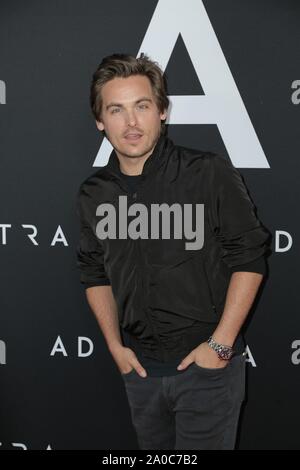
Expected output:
(125, 65)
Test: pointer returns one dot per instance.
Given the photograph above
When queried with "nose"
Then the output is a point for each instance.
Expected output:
(131, 118)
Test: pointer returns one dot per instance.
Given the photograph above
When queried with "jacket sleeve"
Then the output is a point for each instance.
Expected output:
(241, 235)
(256, 266)
(89, 251)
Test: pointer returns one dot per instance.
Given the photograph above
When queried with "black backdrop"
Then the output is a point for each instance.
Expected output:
(59, 386)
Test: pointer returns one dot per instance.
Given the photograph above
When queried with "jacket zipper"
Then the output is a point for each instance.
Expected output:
(143, 294)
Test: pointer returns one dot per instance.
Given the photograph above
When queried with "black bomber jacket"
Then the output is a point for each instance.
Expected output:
(161, 287)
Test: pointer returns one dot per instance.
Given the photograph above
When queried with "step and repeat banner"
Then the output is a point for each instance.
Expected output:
(233, 76)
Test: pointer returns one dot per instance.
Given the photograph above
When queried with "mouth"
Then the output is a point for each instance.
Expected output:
(133, 137)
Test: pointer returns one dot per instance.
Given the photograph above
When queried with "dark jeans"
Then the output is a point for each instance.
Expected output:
(198, 409)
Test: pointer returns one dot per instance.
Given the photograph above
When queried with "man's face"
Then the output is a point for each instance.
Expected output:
(130, 116)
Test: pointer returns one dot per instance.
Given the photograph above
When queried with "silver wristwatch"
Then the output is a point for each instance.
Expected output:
(224, 352)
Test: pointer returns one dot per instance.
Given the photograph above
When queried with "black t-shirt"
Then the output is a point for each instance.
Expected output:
(158, 368)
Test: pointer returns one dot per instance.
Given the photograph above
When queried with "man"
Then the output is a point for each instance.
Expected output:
(171, 255)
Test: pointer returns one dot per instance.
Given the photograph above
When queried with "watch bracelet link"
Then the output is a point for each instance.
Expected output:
(224, 352)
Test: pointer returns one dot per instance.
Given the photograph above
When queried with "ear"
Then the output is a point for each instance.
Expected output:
(100, 125)
(163, 115)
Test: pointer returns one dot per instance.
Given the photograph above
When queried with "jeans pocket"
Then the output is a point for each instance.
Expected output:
(126, 374)
(209, 370)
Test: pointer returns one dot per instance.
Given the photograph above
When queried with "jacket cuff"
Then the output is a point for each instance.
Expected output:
(102, 282)
(256, 266)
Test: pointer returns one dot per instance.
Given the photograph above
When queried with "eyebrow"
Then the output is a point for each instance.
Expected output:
(144, 98)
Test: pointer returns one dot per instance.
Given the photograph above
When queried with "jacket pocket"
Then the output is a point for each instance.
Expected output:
(211, 295)
(217, 278)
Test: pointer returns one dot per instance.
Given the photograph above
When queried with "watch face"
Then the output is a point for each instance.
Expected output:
(225, 354)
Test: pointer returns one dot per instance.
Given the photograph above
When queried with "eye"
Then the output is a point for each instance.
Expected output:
(143, 106)
(115, 110)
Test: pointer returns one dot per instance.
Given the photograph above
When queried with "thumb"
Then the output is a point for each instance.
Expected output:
(186, 362)
(139, 368)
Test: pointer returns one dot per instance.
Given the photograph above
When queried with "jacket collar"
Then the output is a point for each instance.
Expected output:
(155, 158)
